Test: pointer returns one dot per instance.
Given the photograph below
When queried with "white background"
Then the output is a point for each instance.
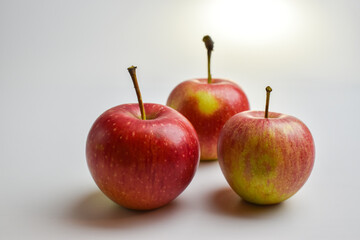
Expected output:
(63, 63)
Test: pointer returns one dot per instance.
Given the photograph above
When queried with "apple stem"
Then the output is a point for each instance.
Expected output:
(268, 91)
(132, 71)
(209, 44)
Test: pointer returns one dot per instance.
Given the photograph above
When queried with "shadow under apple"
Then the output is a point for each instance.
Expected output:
(208, 163)
(226, 202)
(95, 209)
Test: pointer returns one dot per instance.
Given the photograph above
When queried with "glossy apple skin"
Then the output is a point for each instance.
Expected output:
(265, 161)
(142, 164)
(208, 107)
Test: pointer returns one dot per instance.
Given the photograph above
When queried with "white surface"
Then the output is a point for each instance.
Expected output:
(62, 63)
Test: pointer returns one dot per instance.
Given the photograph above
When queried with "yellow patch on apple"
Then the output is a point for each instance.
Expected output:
(206, 102)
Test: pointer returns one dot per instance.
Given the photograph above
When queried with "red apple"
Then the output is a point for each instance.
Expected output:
(266, 157)
(208, 104)
(142, 164)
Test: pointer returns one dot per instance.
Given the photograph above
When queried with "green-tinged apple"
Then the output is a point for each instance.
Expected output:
(142, 156)
(266, 157)
(208, 103)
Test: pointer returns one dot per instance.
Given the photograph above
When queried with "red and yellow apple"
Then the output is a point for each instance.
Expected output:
(142, 157)
(268, 159)
(208, 104)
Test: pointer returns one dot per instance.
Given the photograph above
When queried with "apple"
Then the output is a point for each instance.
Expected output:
(142, 156)
(266, 157)
(208, 104)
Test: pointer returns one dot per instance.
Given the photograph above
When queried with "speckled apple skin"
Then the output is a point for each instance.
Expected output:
(208, 107)
(265, 161)
(142, 164)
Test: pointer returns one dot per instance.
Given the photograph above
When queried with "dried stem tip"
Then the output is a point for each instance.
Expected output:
(209, 44)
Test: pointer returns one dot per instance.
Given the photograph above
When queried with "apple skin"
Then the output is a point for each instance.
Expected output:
(265, 160)
(142, 164)
(208, 107)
